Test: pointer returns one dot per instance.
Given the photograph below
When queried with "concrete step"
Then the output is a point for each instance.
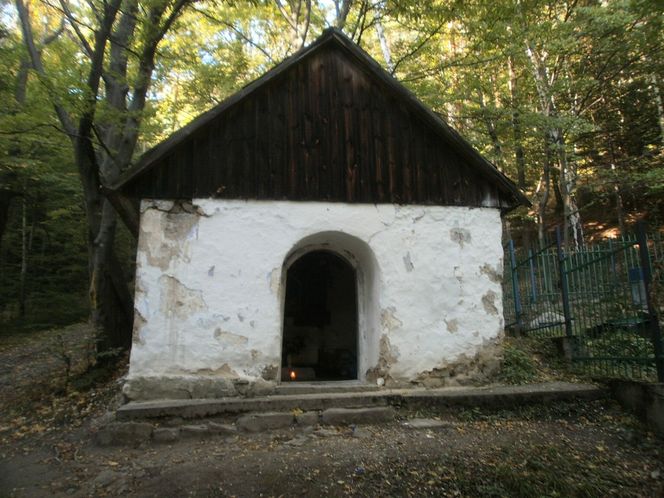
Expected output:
(198, 408)
(493, 396)
(345, 386)
(132, 433)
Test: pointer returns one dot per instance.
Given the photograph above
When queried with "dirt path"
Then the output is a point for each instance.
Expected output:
(564, 450)
(36, 363)
(591, 449)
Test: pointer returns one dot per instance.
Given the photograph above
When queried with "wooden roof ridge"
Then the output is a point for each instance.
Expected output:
(329, 35)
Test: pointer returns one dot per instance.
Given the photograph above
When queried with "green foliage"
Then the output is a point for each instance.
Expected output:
(622, 344)
(56, 277)
(45, 206)
(621, 353)
(518, 366)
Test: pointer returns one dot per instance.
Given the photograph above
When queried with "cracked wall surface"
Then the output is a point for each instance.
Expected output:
(210, 278)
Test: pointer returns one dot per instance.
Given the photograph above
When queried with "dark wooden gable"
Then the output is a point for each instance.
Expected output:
(328, 124)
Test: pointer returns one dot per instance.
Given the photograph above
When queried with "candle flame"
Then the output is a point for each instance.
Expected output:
(292, 375)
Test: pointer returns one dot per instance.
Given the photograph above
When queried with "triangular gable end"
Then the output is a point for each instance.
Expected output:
(327, 124)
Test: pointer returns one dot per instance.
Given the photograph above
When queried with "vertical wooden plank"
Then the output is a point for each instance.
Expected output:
(337, 161)
(391, 125)
(406, 168)
(249, 163)
(350, 165)
(278, 136)
(316, 68)
(219, 163)
(422, 177)
(304, 94)
(324, 127)
(366, 161)
(291, 144)
(434, 170)
(230, 177)
(261, 131)
(378, 120)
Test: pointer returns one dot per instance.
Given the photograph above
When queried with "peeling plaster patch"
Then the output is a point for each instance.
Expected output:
(460, 235)
(139, 322)
(223, 371)
(252, 323)
(212, 321)
(240, 317)
(458, 274)
(388, 355)
(465, 370)
(229, 338)
(270, 372)
(211, 271)
(488, 300)
(178, 300)
(452, 325)
(494, 275)
(274, 277)
(255, 354)
(408, 263)
(175, 207)
(389, 320)
(160, 205)
(418, 217)
(169, 244)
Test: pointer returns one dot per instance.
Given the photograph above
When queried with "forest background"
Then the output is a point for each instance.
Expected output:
(565, 97)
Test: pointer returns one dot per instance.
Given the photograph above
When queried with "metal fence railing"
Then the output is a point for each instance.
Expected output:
(605, 298)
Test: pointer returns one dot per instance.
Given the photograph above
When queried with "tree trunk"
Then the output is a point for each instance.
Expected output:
(620, 211)
(543, 192)
(299, 21)
(112, 309)
(6, 197)
(384, 46)
(516, 129)
(567, 177)
(491, 130)
(571, 217)
(660, 106)
(342, 8)
(111, 303)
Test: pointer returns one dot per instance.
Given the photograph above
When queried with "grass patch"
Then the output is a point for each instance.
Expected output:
(518, 366)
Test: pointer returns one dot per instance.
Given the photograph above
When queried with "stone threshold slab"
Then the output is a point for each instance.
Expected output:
(343, 386)
(493, 396)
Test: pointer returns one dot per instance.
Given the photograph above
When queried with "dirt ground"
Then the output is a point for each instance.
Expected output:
(43, 362)
(589, 449)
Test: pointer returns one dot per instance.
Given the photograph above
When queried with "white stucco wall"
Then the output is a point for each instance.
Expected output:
(210, 285)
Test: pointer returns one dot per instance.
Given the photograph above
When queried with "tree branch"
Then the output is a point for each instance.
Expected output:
(237, 31)
(38, 66)
(75, 26)
(417, 48)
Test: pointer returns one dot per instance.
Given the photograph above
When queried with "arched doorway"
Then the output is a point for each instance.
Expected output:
(320, 334)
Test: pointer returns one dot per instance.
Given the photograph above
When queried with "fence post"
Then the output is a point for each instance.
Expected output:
(564, 289)
(653, 319)
(533, 283)
(518, 310)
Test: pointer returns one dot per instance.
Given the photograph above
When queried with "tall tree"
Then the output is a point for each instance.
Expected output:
(103, 127)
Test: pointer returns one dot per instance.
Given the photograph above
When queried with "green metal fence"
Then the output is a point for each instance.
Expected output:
(603, 298)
